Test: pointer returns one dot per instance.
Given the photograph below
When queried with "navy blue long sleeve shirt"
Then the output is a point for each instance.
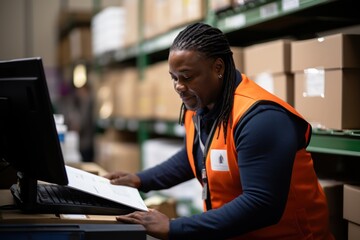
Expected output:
(266, 141)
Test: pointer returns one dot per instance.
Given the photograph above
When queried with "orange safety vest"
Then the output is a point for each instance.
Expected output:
(306, 212)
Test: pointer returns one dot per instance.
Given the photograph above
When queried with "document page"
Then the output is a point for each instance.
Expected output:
(101, 187)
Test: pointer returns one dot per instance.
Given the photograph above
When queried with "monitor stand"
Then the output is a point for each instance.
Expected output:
(4, 108)
(25, 191)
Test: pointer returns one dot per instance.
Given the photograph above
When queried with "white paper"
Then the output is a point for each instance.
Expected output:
(101, 187)
(314, 82)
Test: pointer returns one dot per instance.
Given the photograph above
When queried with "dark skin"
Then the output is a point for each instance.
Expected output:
(198, 81)
(196, 78)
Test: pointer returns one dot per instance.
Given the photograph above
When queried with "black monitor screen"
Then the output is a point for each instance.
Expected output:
(28, 136)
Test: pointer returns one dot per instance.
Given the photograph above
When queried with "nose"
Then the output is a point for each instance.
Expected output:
(179, 87)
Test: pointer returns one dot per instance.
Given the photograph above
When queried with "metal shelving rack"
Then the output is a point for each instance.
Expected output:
(261, 21)
(346, 143)
(233, 20)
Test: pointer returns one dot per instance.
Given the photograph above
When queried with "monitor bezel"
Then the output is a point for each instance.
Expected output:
(48, 165)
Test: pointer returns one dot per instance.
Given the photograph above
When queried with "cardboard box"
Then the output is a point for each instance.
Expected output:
(329, 98)
(195, 10)
(353, 231)
(157, 98)
(80, 44)
(331, 52)
(156, 17)
(109, 30)
(105, 96)
(270, 57)
(164, 205)
(63, 52)
(132, 22)
(238, 56)
(167, 101)
(268, 64)
(177, 13)
(218, 5)
(146, 92)
(351, 203)
(352, 210)
(125, 92)
(281, 85)
(117, 155)
(334, 194)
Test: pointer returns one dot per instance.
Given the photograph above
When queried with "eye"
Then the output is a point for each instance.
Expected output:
(187, 78)
(173, 78)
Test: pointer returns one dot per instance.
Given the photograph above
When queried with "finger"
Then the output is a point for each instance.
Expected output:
(116, 181)
(137, 215)
(110, 175)
(126, 219)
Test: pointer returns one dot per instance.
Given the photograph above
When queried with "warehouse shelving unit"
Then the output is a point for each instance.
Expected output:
(260, 21)
(346, 143)
(266, 20)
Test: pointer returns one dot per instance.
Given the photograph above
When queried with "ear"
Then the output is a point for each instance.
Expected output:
(219, 66)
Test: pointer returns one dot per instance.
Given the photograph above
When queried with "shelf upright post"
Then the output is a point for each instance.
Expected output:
(141, 63)
(210, 16)
(96, 6)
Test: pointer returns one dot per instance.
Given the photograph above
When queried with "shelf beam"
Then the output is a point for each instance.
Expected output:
(345, 143)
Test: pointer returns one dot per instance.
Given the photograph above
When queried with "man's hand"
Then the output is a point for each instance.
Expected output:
(156, 223)
(123, 178)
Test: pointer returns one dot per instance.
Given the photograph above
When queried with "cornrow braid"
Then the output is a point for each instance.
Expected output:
(212, 43)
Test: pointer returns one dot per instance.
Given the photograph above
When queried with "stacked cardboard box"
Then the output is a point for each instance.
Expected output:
(157, 98)
(80, 44)
(74, 41)
(162, 15)
(127, 79)
(327, 72)
(352, 210)
(131, 8)
(146, 92)
(334, 193)
(238, 55)
(156, 16)
(117, 152)
(167, 101)
(105, 95)
(218, 5)
(268, 64)
(108, 30)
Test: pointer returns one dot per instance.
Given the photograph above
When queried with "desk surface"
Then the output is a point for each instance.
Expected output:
(72, 231)
(16, 216)
(14, 223)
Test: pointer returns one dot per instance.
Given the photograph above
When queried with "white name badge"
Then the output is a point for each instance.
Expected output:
(219, 160)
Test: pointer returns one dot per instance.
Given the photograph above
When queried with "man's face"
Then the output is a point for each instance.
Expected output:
(196, 78)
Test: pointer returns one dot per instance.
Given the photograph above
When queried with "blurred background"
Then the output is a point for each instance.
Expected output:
(106, 68)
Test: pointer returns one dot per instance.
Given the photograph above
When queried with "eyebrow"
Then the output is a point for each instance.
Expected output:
(186, 71)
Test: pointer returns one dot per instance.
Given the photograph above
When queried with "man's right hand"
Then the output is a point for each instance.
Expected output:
(124, 178)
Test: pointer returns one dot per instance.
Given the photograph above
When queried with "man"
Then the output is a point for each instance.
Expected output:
(246, 147)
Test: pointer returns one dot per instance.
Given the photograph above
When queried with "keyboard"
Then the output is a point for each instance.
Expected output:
(57, 199)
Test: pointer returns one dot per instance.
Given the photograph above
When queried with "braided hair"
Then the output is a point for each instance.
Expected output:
(212, 43)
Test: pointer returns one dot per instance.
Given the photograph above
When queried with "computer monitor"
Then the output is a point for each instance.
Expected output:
(28, 136)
